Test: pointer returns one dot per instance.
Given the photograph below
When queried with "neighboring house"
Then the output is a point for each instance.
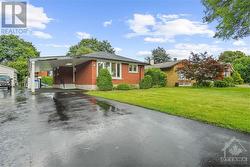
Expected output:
(11, 72)
(81, 71)
(175, 78)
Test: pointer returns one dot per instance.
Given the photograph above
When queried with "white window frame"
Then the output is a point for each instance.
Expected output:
(109, 68)
(137, 67)
(181, 76)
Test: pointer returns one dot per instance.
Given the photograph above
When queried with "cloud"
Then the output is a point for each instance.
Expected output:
(239, 43)
(56, 45)
(144, 53)
(107, 23)
(140, 24)
(164, 28)
(42, 35)
(36, 17)
(118, 50)
(83, 35)
(183, 50)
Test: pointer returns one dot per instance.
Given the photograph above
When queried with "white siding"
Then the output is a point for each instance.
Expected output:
(10, 72)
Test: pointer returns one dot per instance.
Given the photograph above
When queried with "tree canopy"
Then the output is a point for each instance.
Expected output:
(201, 67)
(12, 47)
(86, 46)
(242, 65)
(233, 17)
(15, 52)
(159, 55)
(230, 56)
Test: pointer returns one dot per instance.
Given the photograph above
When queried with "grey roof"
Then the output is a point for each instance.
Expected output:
(164, 65)
(95, 55)
(110, 56)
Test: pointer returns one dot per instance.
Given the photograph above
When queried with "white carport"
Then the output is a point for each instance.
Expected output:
(50, 63)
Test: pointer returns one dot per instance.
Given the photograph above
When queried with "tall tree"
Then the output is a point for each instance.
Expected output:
(15, 52)
(159, 55)
(12, 47)
(201, 67)
(242, 65)
(230, 56)
(233, 17)
(86, 46)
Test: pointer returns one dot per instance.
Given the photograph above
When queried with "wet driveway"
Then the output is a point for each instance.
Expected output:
(70, 129)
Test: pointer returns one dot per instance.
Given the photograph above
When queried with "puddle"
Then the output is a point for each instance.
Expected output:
(76, 110)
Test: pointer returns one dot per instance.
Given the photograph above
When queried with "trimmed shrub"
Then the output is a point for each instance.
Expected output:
(204, 84)
(146, 82)
(237, 78)
(159, 77)
(104, 80)
(221, 83)
(123, 86)
(47, 80)
(230, 81)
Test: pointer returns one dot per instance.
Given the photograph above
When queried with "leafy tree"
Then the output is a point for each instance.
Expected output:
(230, 56)
(12, 47)
(233, 17)
(21, 65)
(159, 55)
(15, 52)
(242, 65)
(86, 46)
(201, 67)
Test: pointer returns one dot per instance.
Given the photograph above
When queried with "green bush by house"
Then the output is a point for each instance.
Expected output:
(204, 84)
(123, 86)
(146, 82)
(47, 80)
(221, 83)
(237, 78)
(159, 78)
(104, 80)
(230, 81)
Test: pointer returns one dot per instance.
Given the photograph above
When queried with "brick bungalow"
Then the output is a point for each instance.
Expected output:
(81, 71)
(175, 78)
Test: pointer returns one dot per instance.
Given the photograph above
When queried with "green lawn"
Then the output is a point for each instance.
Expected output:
(225, 107)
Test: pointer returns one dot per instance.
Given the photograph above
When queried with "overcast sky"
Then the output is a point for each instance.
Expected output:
(134, 27)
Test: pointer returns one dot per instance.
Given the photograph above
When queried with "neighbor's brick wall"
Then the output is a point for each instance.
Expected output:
(41, 74)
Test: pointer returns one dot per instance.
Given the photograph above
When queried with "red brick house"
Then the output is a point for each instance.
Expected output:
(81, 72)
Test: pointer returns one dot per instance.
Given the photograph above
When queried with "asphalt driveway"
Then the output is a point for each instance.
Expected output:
(69, 129)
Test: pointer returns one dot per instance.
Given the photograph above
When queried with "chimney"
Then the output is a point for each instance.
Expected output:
(151, 62)
(175, 59)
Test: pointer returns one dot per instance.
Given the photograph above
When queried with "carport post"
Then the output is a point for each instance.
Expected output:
(32, 77)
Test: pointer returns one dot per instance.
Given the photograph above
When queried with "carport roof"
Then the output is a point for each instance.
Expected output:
(96, 55)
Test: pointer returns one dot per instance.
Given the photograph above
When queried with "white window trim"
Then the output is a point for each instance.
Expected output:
(137, 68)
(109, 69)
